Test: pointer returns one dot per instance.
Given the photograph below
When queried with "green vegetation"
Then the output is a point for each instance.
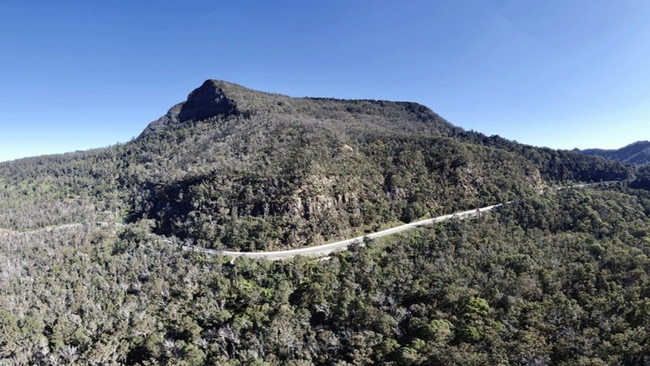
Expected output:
(637, 153)
(557, 279)
(92, 270)
(271, 172)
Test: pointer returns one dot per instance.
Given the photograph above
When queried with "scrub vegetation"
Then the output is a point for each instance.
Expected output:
(93, 271)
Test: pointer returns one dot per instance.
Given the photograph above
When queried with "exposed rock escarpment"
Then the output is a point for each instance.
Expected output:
(207, 101)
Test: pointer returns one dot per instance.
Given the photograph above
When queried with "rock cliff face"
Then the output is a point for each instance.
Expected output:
(170, 118)
(207, 101)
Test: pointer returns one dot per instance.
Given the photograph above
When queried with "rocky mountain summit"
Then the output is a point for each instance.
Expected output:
(207, 101)
(241, 169)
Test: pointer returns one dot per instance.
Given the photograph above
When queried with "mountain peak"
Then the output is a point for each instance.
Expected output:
(213, 98)
(220, 100)
(208, 100)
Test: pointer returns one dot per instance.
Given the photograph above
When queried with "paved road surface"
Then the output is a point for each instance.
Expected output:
(325, 249)
(319, 250)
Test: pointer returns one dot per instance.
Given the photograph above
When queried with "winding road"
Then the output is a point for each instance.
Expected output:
(325, 249)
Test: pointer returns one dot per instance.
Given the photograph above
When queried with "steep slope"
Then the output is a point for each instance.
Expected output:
(235, 168)
(637, 153)
(239, 169)
(246, 170)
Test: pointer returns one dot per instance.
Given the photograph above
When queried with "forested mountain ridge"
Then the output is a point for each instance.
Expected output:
(247, 170)
(92, 271)
(240, 169)
(637, 153)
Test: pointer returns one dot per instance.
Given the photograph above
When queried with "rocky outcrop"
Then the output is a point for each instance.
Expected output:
(170, 118)
(207, 101)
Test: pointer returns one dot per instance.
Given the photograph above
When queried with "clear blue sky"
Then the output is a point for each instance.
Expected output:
(560, 73)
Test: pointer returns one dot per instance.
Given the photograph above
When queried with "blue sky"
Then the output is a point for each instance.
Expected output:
(558, 73)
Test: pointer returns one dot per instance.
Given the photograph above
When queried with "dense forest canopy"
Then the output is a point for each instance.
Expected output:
(93, 271)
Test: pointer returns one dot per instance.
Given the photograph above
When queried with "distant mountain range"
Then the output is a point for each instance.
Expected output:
(637, 153)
